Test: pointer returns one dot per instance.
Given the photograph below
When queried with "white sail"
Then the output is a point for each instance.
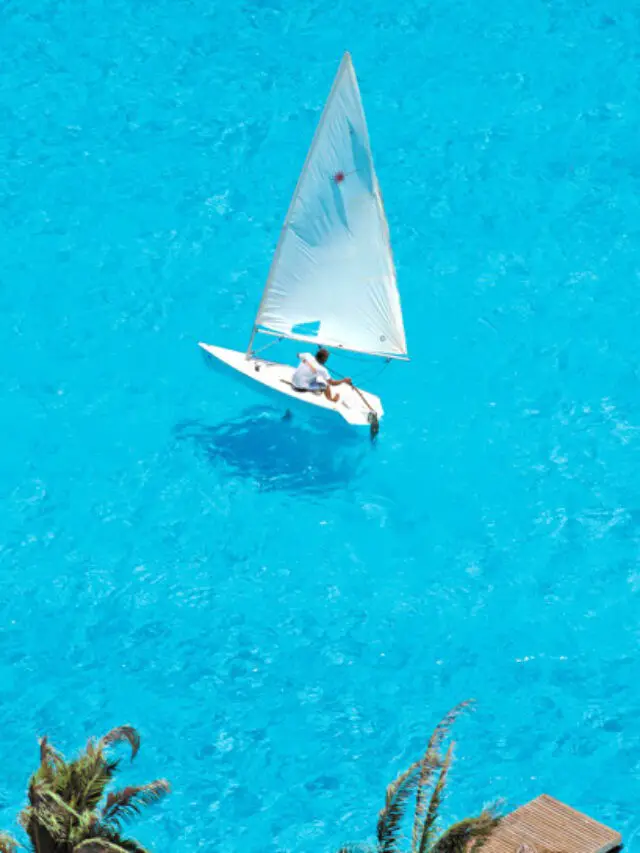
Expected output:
(332, 279)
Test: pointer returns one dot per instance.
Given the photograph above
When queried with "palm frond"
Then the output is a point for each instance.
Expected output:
(35, 819)
(88, 778)
(63, 812)
(125, 804)
(429, 763)
(468, 835)
(98, 845)
(428, 827)
(50, 755)
(95, 786)
(45, 797)
(119, 735)
(132, 846)
(42, 841)
(24, 818)
(87, 827)
(8, 844)
(48, 821)
(486, 823)
(444, 726)
(390, 817)
(354, 848)
(51, 762)
(129, 844)
(431, 760)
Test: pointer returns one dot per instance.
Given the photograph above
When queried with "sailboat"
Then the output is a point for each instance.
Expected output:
(332, 281)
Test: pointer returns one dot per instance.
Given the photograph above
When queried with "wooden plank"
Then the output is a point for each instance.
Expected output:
(546, 825)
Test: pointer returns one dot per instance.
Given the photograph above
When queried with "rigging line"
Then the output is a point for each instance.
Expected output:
(366, 376)
(266, 346)
(346, 357)
(374, 421)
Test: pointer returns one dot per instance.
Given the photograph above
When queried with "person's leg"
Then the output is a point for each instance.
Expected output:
(322, 388)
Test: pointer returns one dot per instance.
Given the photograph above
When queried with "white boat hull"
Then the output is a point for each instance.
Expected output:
(273, 377)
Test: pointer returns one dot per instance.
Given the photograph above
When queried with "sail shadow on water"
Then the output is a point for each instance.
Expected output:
(278, 454)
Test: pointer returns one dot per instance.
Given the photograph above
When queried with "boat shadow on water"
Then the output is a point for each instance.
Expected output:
(279, 454)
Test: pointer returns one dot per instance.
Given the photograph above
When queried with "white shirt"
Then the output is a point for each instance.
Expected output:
(309, 372)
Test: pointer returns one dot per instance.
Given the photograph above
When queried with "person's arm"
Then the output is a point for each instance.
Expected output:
(308, 363)
(345, 381)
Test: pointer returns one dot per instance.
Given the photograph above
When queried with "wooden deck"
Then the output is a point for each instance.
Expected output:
(546, 825)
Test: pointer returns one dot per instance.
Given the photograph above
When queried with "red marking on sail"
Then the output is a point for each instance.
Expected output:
(338, 177)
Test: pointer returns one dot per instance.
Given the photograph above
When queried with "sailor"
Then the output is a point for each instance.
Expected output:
(312, 375)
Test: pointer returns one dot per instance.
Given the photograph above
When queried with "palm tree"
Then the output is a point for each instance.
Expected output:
(424, 782)
(69, 810)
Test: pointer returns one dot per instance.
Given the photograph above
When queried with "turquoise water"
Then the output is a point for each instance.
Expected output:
(284, 611)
